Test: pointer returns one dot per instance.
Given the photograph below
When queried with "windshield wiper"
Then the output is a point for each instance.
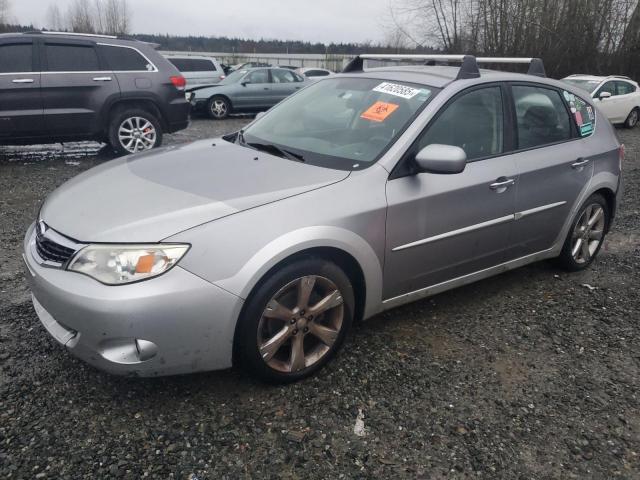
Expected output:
(274, 149)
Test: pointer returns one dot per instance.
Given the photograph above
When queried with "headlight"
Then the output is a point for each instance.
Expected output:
(120, 264)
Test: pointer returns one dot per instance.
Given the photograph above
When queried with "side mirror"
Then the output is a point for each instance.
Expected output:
(604, 95)
(443, 159)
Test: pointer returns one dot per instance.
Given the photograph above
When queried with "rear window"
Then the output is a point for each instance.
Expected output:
(317, 73)
(583, 114)
(125, 59)
(193, 64)
(16, 58)
(542, 116)
(71, 58)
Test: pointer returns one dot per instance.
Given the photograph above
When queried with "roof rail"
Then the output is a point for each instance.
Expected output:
(72, 34)
(468, 69)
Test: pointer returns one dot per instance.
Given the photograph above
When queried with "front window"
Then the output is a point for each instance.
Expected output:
(586, 85)
(233, 77)
(343, 123)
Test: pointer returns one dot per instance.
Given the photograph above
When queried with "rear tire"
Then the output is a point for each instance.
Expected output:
(134, 130)
(218, 108)
(632, 119)
(586, 235)
(295, 321)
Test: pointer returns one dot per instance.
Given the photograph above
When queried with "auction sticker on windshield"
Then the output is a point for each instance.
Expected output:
(397, 90)
(379, 111)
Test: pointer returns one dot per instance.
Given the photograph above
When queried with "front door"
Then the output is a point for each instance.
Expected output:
(20, 100)
(614, 107)
(75, 87)
(254, 91)
(441, 227)
(554, 165)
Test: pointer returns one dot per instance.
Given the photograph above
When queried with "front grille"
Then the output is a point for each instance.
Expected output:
(51, 251)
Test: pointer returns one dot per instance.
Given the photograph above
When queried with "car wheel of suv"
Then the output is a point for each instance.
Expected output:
(632, 119)
(586, 235)
(295, 322)
(132, 131)
(218, 108)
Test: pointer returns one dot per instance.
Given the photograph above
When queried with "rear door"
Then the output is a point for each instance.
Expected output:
(554, 165)
(254, 90)
(76, 84)
(20, 99)
(285, 82)
(442, 227)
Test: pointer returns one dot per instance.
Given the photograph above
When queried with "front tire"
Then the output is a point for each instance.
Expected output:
(632, 119)
(218, 108)
(586, 235)
(134, 130)
(295, 321)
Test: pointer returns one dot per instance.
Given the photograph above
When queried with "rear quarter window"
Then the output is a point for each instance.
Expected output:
(583, 114)
(123, 59)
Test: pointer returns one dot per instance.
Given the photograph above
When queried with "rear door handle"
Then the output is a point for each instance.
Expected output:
(501, 185)
(581, 162)
(23, 80)
(101, 79)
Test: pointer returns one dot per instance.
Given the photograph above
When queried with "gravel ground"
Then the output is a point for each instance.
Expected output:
(528, 375)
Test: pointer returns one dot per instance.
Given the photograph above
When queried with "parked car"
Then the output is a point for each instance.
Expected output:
(362, 192)
(251, 90)
(314, 73)
(198, 70)
(59, 87)
(618, 97)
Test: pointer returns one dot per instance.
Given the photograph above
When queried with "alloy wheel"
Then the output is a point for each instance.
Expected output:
(588, 233)
(300, 324)
(137, 134)
(633, 118)
(219, 108)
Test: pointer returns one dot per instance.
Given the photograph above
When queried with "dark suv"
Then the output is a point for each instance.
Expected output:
(58, 87)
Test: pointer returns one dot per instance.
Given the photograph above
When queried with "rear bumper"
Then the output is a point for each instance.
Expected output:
(178, 115)
(173, 324)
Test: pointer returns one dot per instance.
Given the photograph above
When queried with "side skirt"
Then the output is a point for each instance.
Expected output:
(466, 279)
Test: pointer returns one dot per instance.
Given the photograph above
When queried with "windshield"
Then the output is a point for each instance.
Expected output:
(343, 123)
(233, 77)
(586, 85)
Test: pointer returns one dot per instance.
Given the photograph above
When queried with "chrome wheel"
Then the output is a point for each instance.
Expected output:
(219, 108)
(300, 324)
(137, 134)
(588, 233)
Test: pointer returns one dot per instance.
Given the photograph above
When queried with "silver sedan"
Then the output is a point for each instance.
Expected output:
(364, 191)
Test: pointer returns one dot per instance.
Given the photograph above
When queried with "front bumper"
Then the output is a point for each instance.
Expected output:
(172, 324)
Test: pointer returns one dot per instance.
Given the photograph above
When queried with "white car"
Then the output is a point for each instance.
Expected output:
(314, 73)
(618, 97)
(198, 70)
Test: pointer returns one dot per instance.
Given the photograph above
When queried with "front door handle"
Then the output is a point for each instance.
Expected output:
(101, 79)
(23, 80)
(581, 162)
(502, 184)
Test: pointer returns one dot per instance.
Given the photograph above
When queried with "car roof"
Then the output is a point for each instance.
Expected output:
(189, 57)
(598, 78)
(79, 36)
(440, 76)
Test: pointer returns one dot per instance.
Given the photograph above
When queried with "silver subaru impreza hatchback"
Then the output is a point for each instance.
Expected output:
(362, 192)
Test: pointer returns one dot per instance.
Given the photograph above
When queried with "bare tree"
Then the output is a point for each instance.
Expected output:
(81, 17)
(5, 11)
(114, 16)
(54, 18)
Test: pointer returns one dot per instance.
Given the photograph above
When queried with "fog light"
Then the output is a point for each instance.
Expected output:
(146, 349)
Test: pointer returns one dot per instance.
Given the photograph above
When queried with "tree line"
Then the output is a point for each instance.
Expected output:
(571, 36)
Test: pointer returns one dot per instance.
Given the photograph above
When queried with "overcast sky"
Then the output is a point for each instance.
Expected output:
(311, 20)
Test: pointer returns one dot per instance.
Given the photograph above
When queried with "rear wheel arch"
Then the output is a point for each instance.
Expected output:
(134, 104)
(610, 197)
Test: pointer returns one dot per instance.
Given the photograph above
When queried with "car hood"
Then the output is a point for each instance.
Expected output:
(150, 196)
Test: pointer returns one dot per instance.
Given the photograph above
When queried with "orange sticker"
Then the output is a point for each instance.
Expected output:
(379, 111)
